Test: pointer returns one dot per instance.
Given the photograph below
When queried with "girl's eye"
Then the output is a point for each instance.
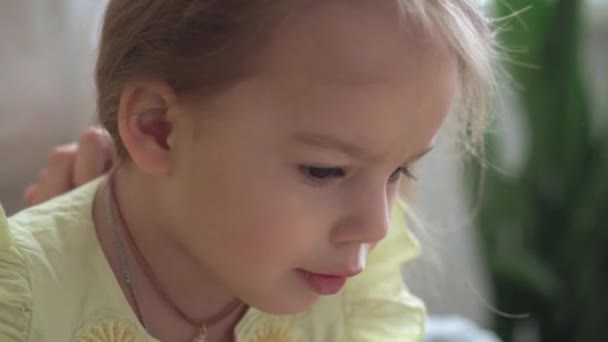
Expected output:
(319, 175)
(401, 171)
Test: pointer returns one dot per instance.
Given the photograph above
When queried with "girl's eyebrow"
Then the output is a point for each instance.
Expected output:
(333, 143)
(329, 142)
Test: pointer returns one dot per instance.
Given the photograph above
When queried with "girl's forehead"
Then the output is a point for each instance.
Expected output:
(348, 43)
(349, 72)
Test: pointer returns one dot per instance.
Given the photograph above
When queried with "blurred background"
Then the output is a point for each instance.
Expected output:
(525, 255)
(528, 257)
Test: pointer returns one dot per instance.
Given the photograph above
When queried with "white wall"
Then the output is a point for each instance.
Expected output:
(46, 85)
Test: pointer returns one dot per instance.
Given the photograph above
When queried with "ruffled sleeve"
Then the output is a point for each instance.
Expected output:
(378, 305)
(15, 296)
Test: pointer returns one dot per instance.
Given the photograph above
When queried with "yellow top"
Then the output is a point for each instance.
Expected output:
(56, 285)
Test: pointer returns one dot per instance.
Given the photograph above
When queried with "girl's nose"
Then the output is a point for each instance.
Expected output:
(366, 218)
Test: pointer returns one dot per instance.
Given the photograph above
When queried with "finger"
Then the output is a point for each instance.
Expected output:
(36, 194)
(91, 156)
(56, 179)
(30, 194)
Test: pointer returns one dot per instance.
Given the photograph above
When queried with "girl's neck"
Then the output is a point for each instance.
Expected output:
(186, 281)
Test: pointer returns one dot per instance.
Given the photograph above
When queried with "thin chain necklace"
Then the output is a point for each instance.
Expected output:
(122, 259)
(199, 325)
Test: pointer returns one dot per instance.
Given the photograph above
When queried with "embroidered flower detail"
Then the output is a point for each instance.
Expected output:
(108, 331)
(272, 333)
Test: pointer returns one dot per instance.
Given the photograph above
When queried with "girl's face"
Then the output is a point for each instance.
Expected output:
(295, 169)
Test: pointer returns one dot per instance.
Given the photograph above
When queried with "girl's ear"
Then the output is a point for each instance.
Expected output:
(145, 124)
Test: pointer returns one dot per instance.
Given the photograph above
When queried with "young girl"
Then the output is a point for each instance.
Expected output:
(261, 147)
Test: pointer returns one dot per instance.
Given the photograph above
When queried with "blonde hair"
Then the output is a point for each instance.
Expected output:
(154, 38)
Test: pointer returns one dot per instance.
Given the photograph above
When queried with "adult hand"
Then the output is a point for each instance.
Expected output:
(72, 165)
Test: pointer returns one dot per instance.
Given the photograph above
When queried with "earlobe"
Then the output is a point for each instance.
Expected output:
(145, 124)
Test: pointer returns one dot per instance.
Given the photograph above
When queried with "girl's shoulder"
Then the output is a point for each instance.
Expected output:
(52, 271)
(15, 295)
(374, 306)
(48, 235)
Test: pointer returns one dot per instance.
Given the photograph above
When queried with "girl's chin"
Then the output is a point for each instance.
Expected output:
(289, 306)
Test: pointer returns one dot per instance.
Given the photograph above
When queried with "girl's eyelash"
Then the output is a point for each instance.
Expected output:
(319, 175)
(403, 170)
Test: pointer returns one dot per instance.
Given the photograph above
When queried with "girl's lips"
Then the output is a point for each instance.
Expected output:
(326, 284)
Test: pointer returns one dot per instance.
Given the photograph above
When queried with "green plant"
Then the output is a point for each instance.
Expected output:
(545, 230)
